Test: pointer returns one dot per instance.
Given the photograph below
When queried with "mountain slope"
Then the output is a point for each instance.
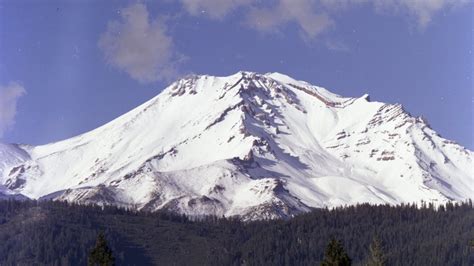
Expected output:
(259, 146)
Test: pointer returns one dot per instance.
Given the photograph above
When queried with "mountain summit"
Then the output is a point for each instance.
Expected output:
(250, 145)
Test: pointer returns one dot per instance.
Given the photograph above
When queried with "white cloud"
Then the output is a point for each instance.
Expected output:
(313, 17)
(139, 46)
(422, 11)
(9, 95)
(142, 47)
(268, 18)
(302, 12)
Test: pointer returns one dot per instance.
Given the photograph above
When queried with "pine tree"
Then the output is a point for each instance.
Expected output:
(376, 255)
(101, 254)
(335, 255)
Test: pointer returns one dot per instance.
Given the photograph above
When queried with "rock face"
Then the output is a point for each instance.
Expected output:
(251, 145)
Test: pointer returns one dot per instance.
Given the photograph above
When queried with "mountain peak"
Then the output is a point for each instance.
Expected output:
(249, 144)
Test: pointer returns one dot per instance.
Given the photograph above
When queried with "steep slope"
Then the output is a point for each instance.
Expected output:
(259, 146)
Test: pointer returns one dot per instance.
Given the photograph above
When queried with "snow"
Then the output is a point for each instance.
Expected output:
(259, 146)
(10, 154)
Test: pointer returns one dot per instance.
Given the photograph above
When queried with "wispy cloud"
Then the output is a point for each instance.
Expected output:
(313, 17)
(139, 45)
(337, 46)
(301, 12)
(420, 11)
(143, 48)
(216, 9)
(9, 95)
(263, 17)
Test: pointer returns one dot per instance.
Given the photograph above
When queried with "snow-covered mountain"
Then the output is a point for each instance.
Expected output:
(258, 146)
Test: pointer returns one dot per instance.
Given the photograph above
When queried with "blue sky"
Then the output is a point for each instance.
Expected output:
(67, 67)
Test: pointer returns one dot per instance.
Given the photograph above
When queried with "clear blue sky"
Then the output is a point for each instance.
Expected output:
(67, 67)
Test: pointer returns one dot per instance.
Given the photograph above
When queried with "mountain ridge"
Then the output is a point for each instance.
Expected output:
(252, 145)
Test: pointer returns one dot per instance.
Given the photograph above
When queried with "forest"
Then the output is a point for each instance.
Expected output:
(60, 233)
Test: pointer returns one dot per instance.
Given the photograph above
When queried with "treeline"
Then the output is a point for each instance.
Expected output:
(59, 233)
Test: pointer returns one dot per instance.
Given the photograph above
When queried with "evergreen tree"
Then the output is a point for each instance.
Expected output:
(335, 255)
(376, 255)
(101, 254)
(67, 232)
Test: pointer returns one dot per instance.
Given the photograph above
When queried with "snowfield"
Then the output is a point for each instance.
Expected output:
(250, 145)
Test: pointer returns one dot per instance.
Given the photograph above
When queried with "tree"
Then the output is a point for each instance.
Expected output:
(335, 255)
(376, 255)
(101, 254)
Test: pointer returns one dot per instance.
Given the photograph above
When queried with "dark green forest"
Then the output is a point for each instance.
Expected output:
(59, 233)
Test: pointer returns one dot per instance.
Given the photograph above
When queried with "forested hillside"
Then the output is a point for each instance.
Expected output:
(56, 233)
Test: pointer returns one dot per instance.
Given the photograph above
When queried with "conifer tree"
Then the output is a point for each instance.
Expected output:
(335, 255)
(101, 254)
(376, 255)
